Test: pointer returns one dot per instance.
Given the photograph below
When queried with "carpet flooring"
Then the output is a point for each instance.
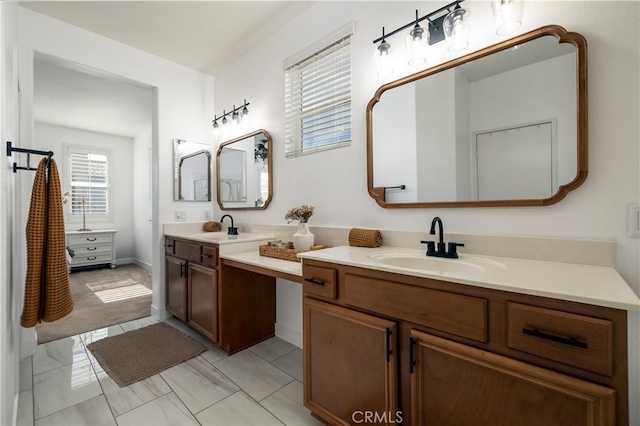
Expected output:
(102, 297)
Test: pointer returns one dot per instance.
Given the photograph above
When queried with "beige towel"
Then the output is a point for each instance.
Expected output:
(47, 291)
(365, 237)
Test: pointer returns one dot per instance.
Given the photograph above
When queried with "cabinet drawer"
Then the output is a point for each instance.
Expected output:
(463, 316)
(209, 256)
(187, 251)
(169, 246)
(93, 250)
(91, 259)
(75, 240)
(572, 339)
(319, 281)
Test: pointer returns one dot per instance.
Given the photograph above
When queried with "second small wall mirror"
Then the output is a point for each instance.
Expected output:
(191, 171)
(244, 174)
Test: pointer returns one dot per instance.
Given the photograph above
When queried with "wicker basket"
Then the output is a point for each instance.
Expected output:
(283, 253)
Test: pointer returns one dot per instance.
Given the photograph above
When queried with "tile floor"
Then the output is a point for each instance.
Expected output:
(62, 384)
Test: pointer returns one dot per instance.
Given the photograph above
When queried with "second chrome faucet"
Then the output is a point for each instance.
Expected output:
(442, 250)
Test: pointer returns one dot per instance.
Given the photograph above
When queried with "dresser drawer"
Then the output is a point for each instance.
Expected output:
(91, 259)
(187, 251)
(463, 316)
(319, 281)
(571, 339)
(92, 250)
(75, 240)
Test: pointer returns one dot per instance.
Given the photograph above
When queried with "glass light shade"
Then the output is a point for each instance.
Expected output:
(507, 14)
(417, 41)
(383, 55)
(457, 27)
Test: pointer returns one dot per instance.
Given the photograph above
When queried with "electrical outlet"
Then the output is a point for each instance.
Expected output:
(633, 220)
(180, 216)
(207, 215)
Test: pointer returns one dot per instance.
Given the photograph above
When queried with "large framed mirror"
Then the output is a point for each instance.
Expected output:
(244, 172)
(504, 126)
(191, 171)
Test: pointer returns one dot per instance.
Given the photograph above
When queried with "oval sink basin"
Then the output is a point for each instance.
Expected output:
(437, 265)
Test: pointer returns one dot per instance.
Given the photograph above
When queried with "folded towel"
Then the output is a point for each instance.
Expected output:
(212, 227)
(365, 237)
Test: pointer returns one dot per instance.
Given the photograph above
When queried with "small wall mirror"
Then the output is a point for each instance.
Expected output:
(191, 171)
(244, 172)
(504, 126)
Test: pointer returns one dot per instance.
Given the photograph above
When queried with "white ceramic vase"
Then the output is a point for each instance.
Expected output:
(303, 238)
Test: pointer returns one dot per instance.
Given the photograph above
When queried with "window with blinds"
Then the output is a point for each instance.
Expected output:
(89, 180)
(318, 101)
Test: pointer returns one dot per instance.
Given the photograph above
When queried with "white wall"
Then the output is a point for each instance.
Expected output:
(184, 107)
(142, 227)
(49, 137)
(10, 295)
(596, 210)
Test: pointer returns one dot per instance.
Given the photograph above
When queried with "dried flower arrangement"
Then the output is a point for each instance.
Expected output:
(301, 213)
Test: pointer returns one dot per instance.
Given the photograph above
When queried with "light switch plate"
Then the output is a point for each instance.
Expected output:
(180, 216)
(633, 220)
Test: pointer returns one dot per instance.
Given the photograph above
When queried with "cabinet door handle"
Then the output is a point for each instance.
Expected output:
(389, 351)
(92, 258)
(92, 248)
(412, 358)
(572, 341)
(182, 270)
(316, 282)
(91, 239)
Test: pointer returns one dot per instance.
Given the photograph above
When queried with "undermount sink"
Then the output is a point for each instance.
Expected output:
(418, 260)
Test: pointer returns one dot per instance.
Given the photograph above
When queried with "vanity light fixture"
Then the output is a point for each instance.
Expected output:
(235, 116)
(508, 15)
(418, 39)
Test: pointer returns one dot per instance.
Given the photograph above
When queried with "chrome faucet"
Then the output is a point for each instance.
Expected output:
(441, 250)
(230, 230)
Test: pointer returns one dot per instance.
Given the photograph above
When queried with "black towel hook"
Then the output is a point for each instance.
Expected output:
(11, 149)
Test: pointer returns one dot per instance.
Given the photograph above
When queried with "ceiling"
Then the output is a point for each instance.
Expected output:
(204, 35)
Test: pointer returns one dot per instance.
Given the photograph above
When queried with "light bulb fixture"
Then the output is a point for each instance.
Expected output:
(508, 15)
(452, 18)
(457, 26)
(235, 114)
(383, 57)
(416, 42)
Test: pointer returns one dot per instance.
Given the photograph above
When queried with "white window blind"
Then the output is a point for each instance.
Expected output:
(89, 174)
(318, 100)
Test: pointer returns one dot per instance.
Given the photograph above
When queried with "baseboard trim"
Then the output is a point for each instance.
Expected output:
(124, 261)
(142, 264)
(289, 334)
(160, 314)
(29, 344)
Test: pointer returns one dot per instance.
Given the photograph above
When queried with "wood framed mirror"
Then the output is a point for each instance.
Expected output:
(244, 175)
(191, 171)
(503, 126)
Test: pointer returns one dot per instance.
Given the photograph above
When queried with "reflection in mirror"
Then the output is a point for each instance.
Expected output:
(503, 126)
(244, 175)
(192, 171)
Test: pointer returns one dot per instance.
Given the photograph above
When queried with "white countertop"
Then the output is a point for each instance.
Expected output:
(220, 237)
(93, 231)
(254, 258)
(594, 285)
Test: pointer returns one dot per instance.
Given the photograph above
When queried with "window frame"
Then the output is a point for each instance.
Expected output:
(69, 149)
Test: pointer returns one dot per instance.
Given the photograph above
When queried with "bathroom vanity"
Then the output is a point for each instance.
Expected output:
(479, 339)
(232, 307)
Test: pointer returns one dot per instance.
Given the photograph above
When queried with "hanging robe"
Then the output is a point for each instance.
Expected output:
(48, 294)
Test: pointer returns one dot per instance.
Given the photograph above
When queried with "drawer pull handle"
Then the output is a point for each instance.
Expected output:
(205, 256)
(316, 282)
(92, 248)
(572, 341)
(91, 239)
(91, 258)
(168, 245)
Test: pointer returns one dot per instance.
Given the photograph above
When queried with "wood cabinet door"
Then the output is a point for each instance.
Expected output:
(456, 384)
(176, 287)
(350, 365)
(203, 300)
